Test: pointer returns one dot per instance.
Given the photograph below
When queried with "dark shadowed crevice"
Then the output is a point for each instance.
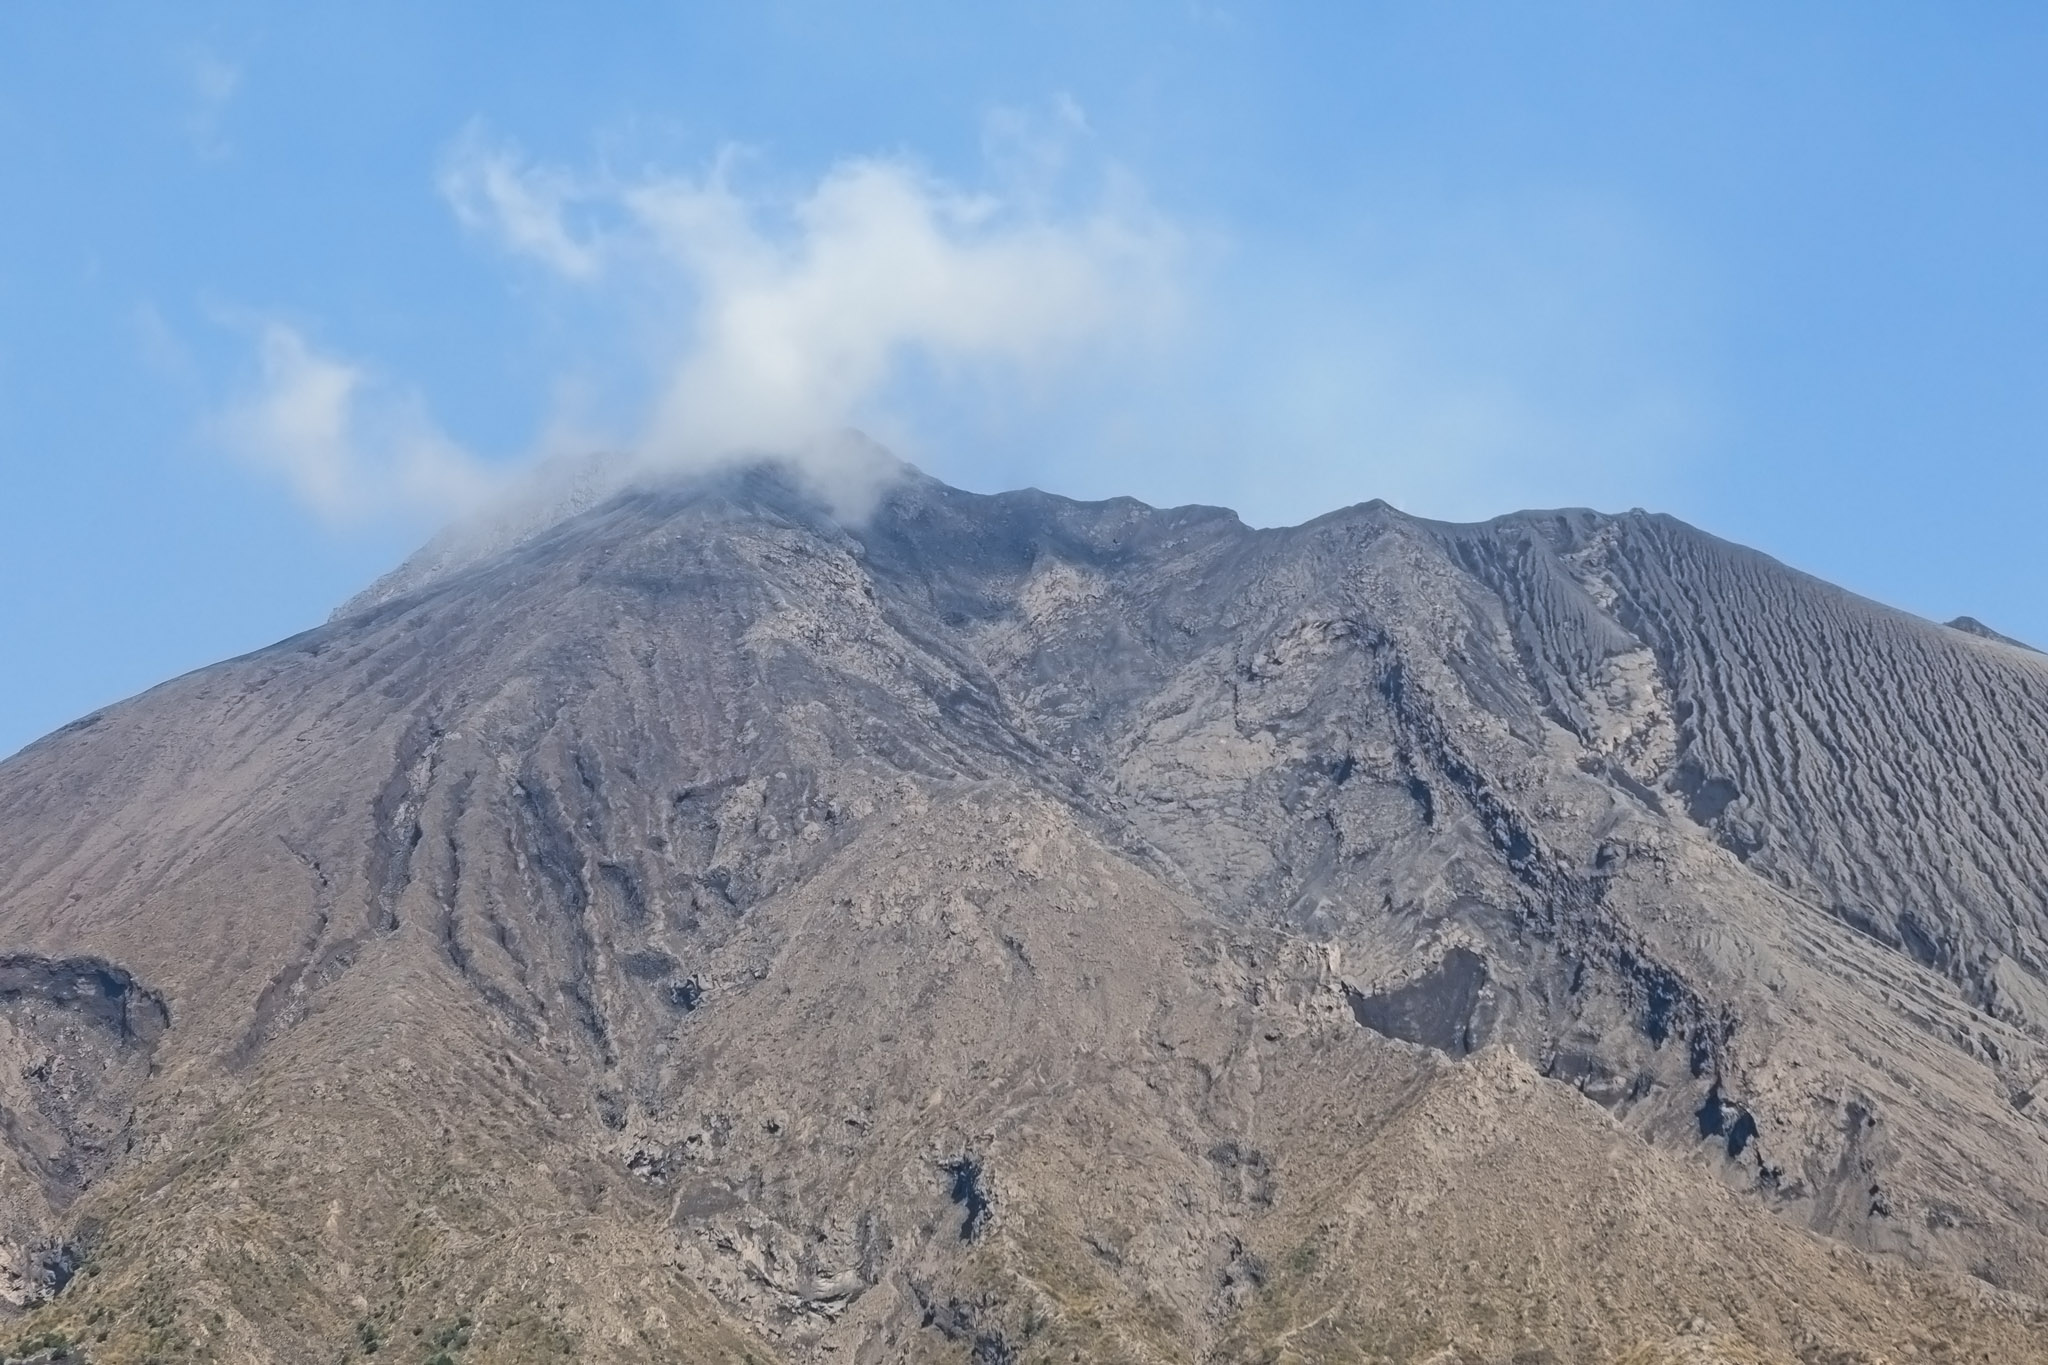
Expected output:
(1723, 1118)
(1442, 1008)
(91, 987)
(968, 1191)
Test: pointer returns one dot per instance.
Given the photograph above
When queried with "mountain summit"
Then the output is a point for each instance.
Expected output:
(1013, 929)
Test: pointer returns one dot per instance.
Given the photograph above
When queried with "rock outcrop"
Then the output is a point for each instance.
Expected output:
(1012, 929)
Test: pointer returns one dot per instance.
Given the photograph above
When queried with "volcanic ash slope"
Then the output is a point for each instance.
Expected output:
(1012, 929)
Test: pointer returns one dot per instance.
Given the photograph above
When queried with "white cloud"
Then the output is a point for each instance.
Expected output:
(350, 449)
(786, 319)
(211, 83)
(492, 190)
(761, 325)
(1032, 151)
(793, 337)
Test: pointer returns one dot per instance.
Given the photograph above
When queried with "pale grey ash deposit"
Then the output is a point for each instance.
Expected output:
(1012, 929)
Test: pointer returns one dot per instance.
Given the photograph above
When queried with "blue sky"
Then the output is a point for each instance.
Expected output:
(279, 285)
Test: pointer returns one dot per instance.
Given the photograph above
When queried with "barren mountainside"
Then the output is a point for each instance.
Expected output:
(1006, 929)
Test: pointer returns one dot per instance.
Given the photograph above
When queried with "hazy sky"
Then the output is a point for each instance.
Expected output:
(280, 285)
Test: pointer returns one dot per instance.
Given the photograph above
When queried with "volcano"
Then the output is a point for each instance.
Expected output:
(705, 927)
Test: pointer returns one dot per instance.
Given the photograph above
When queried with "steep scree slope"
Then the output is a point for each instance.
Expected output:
(1015, 929)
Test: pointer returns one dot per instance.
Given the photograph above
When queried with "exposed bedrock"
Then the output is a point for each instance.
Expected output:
(1013, 929)
(76, 1039)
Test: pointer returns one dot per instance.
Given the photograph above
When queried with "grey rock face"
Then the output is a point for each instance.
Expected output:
(75, 1043)
(1012, 928)
(1970, 625)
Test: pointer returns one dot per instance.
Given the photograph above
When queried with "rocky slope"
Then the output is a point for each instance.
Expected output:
(1010, 929)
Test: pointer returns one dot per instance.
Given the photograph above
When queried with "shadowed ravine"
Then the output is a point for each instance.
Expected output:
(1012, 929)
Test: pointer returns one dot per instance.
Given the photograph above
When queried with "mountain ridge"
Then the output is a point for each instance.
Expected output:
(980, 931)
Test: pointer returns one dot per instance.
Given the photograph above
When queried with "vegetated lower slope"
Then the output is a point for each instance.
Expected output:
(1011, 929)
